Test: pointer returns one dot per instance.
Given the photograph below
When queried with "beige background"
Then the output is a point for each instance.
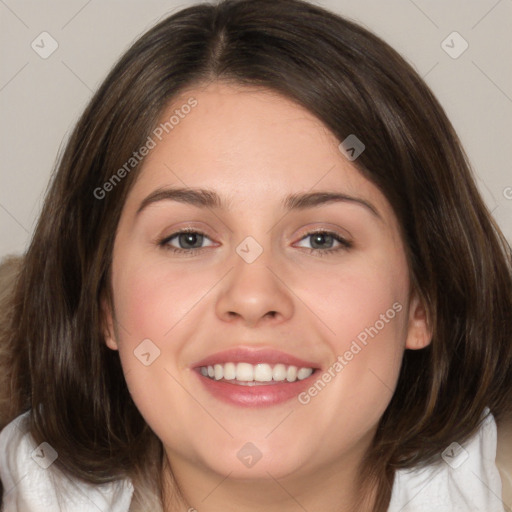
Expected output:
(40, 99)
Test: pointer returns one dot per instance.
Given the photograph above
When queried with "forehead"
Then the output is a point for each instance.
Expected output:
(247, 143)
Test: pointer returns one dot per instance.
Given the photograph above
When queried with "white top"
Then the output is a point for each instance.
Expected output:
(465, 480)
(31, 480)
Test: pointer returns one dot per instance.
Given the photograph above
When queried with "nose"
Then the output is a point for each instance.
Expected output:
(254, 293)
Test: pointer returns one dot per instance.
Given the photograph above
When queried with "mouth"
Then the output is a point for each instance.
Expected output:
(254, 378)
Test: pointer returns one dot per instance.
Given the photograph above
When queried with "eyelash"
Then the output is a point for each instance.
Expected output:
(344, 244)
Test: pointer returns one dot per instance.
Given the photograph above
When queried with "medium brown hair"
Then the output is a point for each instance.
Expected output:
(355, 84)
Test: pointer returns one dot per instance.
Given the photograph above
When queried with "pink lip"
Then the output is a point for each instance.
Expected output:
(254, 356)
(261, 394)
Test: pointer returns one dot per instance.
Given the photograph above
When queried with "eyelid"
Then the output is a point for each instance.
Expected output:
(324, 227)
(187, 228)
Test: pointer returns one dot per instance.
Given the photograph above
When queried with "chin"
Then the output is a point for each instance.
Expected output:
(250, 461)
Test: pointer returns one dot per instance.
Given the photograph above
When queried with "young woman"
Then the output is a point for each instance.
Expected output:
(263, 279)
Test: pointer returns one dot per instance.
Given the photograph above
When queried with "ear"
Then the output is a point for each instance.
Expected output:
(108, 324)
(419, 331)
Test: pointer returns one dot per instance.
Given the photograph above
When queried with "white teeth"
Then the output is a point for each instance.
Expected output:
(230, 371)
(291, 374)
(262, 372)
(245, 371)
(304, 373)
(219, 371)
(279, 372)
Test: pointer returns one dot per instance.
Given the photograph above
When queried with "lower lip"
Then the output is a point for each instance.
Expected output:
(259, 395)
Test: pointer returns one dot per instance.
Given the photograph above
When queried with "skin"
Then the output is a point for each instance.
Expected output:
(254, 147)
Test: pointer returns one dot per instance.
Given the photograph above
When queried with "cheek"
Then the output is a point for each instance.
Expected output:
(364, 307)
(361, 298)
(152, 298)
(155, 304)
(158, 302)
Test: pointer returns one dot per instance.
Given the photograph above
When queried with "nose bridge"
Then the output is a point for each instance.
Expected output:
(253, 289)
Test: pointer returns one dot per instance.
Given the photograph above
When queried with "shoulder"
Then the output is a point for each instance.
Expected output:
(504, 459)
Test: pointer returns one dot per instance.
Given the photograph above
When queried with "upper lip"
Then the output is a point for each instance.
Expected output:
(254, 356)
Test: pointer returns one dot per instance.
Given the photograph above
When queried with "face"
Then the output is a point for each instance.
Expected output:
(310, 297)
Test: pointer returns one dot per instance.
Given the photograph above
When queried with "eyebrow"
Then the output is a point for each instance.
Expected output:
(204, 198)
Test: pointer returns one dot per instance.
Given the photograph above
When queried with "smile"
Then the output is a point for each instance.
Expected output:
(254, 376)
